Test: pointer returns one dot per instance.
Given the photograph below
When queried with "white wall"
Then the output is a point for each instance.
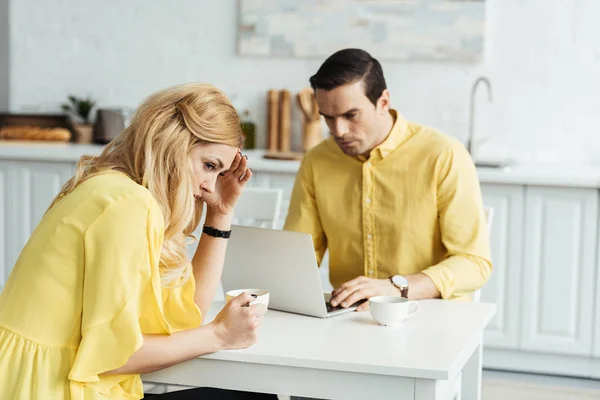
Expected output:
(542, 56)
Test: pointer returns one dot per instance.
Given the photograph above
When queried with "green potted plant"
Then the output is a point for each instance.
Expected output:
(80, 110)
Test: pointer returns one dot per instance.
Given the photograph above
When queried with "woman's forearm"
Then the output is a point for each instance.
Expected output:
(208, 261)
(162, 351)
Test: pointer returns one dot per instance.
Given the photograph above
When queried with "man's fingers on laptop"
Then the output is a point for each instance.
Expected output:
(350, 283)
(348, 286)
(338, 297)
(363, 307)
(360, 294)
(345, 296)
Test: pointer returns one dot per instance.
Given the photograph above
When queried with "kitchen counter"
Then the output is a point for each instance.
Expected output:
(544, 175)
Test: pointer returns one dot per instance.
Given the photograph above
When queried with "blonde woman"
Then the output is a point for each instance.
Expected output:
(104, 290)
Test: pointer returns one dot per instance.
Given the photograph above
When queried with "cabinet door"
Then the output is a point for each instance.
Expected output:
(5, 244)
(558, 280)
(28, 188)
(596, 331)
(504, 286)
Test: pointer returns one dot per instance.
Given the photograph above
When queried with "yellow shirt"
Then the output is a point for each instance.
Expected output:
(84, 290)
(413, 206)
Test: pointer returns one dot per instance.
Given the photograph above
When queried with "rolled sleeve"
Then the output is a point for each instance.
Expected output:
(467, 265)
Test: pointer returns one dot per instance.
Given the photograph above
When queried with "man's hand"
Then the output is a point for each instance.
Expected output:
(362, 288)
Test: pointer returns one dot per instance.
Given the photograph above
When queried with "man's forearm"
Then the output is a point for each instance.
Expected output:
(420, 286)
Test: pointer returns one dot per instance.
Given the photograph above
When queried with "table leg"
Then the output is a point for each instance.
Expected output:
(426, 389)
(471, 384)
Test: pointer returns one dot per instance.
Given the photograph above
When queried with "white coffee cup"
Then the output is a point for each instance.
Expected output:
(391, 310)
(260, 296)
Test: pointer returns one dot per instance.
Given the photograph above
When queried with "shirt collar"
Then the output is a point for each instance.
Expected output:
(397, 136)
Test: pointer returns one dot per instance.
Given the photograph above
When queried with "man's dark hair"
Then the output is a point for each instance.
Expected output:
(349, 66)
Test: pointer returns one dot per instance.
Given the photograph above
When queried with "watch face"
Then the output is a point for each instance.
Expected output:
(400, 280)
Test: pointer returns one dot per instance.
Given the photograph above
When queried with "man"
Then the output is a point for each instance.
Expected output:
(397, 204)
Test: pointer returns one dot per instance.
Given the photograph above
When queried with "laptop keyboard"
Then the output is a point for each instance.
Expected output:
(331, 308)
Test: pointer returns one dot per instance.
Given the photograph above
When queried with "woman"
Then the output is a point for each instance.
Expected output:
(104, 290)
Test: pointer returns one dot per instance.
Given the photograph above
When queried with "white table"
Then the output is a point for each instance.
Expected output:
(350, 356)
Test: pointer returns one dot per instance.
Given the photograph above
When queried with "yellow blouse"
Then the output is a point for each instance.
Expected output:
(84, 290)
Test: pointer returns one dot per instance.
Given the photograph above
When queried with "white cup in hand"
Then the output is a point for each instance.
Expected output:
(237, 324)
(260, 296)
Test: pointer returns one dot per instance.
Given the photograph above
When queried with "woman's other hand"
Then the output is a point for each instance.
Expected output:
(237, 324)
(229, 186)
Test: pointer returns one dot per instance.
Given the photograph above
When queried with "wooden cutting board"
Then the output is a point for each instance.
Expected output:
(284, 155)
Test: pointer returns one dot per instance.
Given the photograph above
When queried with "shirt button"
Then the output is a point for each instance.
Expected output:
(371, 272)
(368, 164)
(369, 236)
(368, 200)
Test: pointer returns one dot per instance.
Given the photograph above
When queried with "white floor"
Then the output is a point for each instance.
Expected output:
(515, 386)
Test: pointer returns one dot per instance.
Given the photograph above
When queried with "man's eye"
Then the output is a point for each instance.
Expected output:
(210, 166)
(351, 116)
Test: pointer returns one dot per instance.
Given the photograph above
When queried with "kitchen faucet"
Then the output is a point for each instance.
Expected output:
(471, 140)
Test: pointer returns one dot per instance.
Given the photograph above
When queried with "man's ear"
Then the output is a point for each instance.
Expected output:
(383, 102)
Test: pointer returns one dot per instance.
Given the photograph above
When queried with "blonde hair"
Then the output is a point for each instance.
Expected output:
(153, 151)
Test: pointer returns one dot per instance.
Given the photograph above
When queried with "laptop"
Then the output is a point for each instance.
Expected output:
(281, 262)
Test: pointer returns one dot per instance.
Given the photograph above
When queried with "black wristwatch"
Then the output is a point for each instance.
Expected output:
(214, 232)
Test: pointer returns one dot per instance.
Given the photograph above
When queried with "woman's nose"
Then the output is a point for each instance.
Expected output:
(209, 184)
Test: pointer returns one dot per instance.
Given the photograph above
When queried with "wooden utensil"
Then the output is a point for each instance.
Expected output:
(284, 155)
(312, 132)
(284, 121)
(305, 100)
(273, 120)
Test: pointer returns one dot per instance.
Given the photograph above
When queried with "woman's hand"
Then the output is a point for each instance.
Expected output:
(237, 324)
(229, 186)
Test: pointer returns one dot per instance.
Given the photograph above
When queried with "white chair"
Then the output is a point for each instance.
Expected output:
(489, 217)
(457, 390)
(258, 207)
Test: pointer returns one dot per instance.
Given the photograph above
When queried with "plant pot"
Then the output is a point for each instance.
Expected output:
(83, 133)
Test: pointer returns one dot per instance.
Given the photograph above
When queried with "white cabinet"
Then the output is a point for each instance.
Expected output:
(596, 351)
(544, 244)
(559, 270)
(27, 189)
(504, 285)
(4, 223)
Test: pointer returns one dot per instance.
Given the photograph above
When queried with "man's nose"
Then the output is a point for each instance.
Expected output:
(340, 128)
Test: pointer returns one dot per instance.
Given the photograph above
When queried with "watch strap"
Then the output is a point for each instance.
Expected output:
(404, 291)
(214, 232)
